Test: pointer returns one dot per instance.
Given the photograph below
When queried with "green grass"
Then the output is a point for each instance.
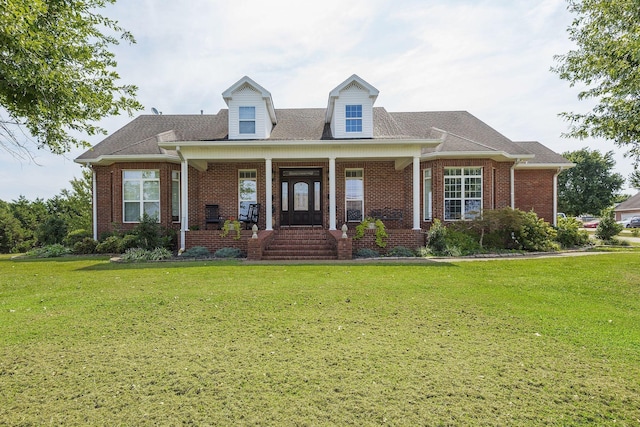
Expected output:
(506, 342)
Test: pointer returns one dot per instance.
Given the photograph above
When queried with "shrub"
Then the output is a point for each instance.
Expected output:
(75, 236)
(635, 232)
(49, 251)
(401, 251)
(196, 252)
(139, 254)
(228, 253)
(85, 246)
(110, 245)
(461, 243)
(437, 238)
(535, 234)
(148, 233)
(569, 234)
(608, 227)
(366, 253)
(128, 241)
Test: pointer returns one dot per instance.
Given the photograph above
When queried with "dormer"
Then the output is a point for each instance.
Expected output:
(350, 109)
(251, 112)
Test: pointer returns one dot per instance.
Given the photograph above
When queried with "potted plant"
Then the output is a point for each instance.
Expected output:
(229, 224)
(381, 234)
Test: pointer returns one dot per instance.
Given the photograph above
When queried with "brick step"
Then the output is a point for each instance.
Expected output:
(300, 244)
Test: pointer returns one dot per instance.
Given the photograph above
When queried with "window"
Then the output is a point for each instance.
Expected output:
(175, 196)
(247, 120)
(354, 194)
(462, 193)
(353, 118)
(140, 194)
(427, 199)
(247, 189)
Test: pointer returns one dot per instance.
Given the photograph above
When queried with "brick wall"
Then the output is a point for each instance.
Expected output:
(534, 191)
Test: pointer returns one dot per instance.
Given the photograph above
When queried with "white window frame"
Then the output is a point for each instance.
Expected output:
(427, 194)
(356, 174)
(247, 175)
(242, 118)
(470, 183)
(176, 203)
(350, 121)
(141, 201)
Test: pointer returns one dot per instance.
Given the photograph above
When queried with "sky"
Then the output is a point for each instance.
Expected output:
(491, 58)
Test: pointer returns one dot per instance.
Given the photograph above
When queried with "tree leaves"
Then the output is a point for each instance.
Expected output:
(57, 74)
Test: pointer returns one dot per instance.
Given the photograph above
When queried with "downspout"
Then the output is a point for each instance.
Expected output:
(513, 183)
(555, 197)
(184, 203)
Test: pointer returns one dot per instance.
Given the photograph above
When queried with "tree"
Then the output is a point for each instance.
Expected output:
(634, 179)
(590, 186)
(74, 206)
(607, 61)
(11, 232)
(56, 72)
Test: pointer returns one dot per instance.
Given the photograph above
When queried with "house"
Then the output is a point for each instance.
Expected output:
(309, 171)
(628, 209)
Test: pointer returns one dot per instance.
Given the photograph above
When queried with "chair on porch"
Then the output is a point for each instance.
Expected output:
(252, 215)
(211, 215)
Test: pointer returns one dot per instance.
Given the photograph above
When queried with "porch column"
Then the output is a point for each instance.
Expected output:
(269, 193)
(332, 193)
(416, 193)
(94, 204)
(184, 199)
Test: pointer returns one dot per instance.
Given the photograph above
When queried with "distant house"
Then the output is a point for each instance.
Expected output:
(629, 208)
(308, 171)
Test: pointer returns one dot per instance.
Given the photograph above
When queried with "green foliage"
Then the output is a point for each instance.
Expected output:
(381, 233)
(231, 224)
(569, 234)
(366, 253)
(49, 251)
(196, 252)
(75, 236)
(228, 253)
(57, 75)
(591, 185)
(141, 255)
(608, 227)
(635, 232)
(110, 245)
(605, 61)
(74, 205)
(460, 243)
(536, 235)
(53, 230)
(85, 246)
(30, 214)
(11, 233)
(401, 252)
(437, 238)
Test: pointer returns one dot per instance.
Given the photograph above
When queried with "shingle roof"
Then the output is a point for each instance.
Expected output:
(632, 203)
(459, 131)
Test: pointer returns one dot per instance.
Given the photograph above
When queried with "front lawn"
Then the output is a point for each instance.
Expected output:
(507, 342)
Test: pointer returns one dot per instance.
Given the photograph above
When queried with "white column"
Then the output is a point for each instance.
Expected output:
(184, 202)
(416, 193)
(555, 198)
(512, 175)
(94, 207)
(332, 193)
(268, 193)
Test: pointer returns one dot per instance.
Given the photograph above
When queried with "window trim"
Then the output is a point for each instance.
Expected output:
(427, 197)
(353, 118)
(464, 176)
(360, 171)
(242, 119)
(175, 177)
(253, 176)
(141, 201)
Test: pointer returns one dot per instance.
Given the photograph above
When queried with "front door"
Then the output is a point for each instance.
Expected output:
(300, 193)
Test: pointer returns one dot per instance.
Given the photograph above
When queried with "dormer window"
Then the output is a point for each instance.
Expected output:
(247, 124)
(353, 118)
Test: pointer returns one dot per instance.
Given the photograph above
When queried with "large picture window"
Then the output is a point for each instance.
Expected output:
(353, 118)
(427, 197)
(140, 194)
(462, 193)
(354, 194)
(247, 189)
